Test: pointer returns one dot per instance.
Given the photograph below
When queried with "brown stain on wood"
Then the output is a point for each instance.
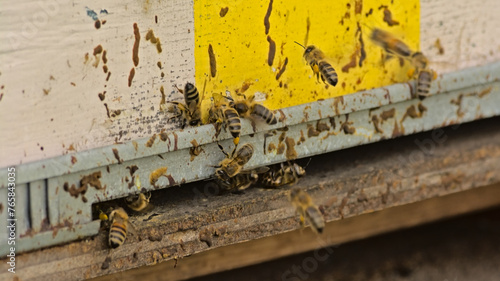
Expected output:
(223, 11)
(150, 36)
(74, 191)
(117, 156)
(104, 56)
(131, 76)
(397, 132)
(175, 140)
(163, 97)
(387, 114)
(73, 160)
(271, 147)
(348, 130)
(438, 45)
(388, 18)
(311, 131)
(135, 49)
(92, 180)
(132, 169)
(281, 148)
(282, 69)
(358, 6)
(151, 141)
(272, 51)
(97, 24)
(136, 145)
(484, 92)
(267, 24)
(107, 110)
(362, 51)
(351, 63)
(321, 127)
(213, 62)
(291, 153)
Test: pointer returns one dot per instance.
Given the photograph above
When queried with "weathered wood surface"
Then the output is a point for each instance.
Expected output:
(345, 184)
(49, 103)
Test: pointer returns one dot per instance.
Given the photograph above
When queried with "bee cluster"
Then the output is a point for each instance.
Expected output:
(226, 111)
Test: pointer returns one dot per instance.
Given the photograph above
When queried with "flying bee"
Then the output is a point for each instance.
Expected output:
(221, 112)
(139, 202)
(232, 165)
(118, 229)
(307, 209)
(390, 43)
(287, 174)
(248, 108)
(190, 111)
(317, 60)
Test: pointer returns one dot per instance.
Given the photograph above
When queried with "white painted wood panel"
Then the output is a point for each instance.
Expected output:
(468, 31)
(50, 104)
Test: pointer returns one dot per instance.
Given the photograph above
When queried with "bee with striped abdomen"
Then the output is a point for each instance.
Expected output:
(319, 64)
(233, 164)
(118, 229)
(190, 111)
(222, 113)
(424, 80)
(287, 174)
(307, 209)
(247, 107)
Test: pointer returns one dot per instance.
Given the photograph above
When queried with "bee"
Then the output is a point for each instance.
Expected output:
(307, 209)
(118, 229)
(139, 202)
(242, 180)
(424, 79)
(221, 112)
(248, 108)
(390, 43)
(419, 60)
(232, 165)
(317, 60)
(287, 174)
(190, 111)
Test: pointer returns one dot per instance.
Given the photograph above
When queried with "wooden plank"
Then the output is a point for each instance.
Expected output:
(196, 218)
(299, 241)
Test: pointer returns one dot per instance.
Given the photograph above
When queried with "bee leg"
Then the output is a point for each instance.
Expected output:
(222, 149)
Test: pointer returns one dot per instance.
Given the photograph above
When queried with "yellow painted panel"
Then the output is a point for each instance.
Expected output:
(237, 33)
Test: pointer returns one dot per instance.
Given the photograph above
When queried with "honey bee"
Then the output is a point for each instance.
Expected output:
(190, 111)
(287, 174)
(118, 229)
(248, 108)
(243, 179)
(240, 181)
(390, 43)
(232, 165)
(419, 60)
(317, 60)
(139, 202)
(307, 209)
(424, 79)
(221, 112)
